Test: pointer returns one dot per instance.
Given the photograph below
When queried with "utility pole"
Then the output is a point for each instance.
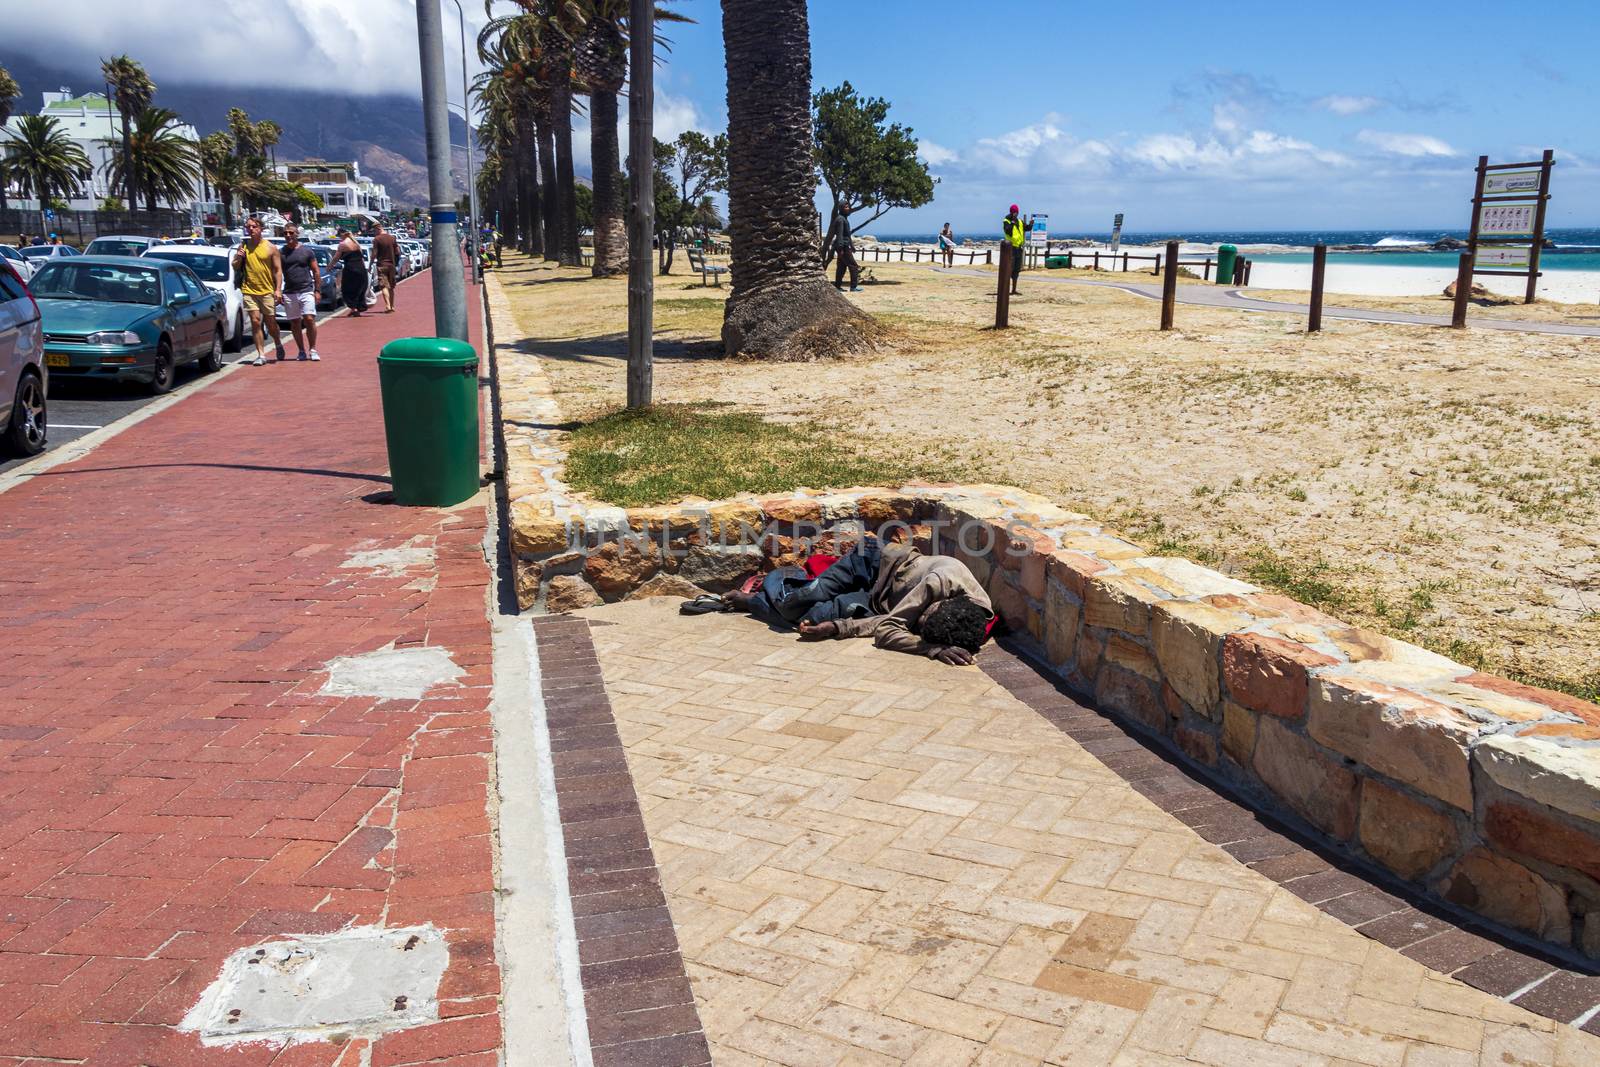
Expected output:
(642, 212)
(475, 226)
(449, 287)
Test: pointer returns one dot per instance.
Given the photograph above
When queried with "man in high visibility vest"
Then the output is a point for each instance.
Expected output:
(1016, 233)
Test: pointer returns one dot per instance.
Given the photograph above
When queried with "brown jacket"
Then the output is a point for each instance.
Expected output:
(908, 585)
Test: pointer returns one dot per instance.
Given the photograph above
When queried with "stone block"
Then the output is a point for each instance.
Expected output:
(535, 531)
(1268, 674)
(1074, 569)
(1102, 547)
(1089, 652)
(1196, 744)
(1032, 574)
(1507, 892)
(568, 592)
(528, 576)
(666, 585)
(1519, 829)
(719, 569)
(1187, 637)
(1238, 732)
(1132, 695)
(978, 565)
(1114, 602)
(1130, 655)
(1062, 612)
(793, 509)
(1403, 833)
(875, 509)
(1571, 705)
(1484, 703)
(618, 567)
(1182, 578)
(1557, 776)
(1420, 742)
(727, 523)
(1008, 601)
(1323, 792)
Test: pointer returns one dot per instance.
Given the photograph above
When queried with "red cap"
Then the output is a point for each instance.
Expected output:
(1014, 209)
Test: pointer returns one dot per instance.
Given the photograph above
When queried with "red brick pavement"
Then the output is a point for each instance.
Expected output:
(172, 785)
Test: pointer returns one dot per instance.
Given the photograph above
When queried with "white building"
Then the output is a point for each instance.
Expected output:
(92, 121)
(345, 191)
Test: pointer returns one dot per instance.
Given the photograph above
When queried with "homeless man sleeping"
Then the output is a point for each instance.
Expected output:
(905, 601)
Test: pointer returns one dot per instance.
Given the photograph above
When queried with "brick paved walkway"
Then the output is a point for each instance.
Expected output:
(875, 859)
(174, 782)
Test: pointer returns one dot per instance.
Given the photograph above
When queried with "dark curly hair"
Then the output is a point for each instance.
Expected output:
(959, 621)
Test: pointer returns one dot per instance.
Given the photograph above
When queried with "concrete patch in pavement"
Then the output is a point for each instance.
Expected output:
(391, 673)
(390, 562)
(360, 982)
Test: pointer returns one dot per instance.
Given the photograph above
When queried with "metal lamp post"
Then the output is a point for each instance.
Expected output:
(449, 287)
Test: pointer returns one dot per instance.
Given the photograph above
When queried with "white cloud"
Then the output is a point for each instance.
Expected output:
(936, 155)
(1410, 145)
(361, 48)
(1341, 104)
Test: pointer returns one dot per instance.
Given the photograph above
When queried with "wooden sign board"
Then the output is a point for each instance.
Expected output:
(1512, 183)
(1504, 258)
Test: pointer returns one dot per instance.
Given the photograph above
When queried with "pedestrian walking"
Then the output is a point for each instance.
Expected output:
(947, 245)
(302, 281)
(259, 269)
(353, 281)
(1016, 234)
(843, 246)
(386, 258)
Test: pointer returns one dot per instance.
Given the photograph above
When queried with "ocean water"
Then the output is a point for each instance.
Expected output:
(1576, 249)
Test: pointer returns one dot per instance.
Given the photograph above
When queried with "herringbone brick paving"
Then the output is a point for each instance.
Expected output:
(876, 859)
(173, 784)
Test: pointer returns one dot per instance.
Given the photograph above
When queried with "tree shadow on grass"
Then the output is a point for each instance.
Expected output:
(612, 348)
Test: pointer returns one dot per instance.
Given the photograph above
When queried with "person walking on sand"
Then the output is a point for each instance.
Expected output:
(353, 279)
(260, 270)
(302, 281)
(1016, 234)
(843, 246)
(386, 258)
(947, 245)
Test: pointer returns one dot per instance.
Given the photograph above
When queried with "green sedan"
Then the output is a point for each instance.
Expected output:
(117, 318)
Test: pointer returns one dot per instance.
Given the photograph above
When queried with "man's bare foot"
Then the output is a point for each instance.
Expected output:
(738, 601)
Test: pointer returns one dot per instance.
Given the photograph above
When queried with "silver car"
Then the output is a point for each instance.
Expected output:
(23, 378)
(18, 261)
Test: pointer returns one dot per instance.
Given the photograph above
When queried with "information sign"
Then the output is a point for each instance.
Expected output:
(1506, 219)
(1515, 258)
(1040, 233)
(1511, 183)
(1116, 233)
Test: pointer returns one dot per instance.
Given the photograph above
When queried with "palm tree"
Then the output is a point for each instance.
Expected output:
(780, 307)
(166, 164)
(131, 90)
(513, 48)
(601, 55)
(44, 160)
(557, 29)
(9, 92)
(221, 169)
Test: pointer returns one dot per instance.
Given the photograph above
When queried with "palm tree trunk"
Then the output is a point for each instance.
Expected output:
(567, 251)
(610, 229)
(528, 222)
(549, 195)
(781, 306)
(127, 164)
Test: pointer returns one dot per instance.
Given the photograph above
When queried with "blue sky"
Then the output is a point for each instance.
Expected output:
(1248, 115)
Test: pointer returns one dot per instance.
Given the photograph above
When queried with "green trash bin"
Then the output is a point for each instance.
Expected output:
(1227, 258)
(430, 418)
(1056, 262)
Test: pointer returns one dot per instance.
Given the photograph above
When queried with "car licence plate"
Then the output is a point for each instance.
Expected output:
(57, 359)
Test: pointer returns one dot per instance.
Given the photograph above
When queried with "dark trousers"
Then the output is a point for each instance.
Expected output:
(847, 262)
(1017, 256)
(840, 592)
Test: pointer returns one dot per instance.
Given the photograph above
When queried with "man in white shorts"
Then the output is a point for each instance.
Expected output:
(302, 281)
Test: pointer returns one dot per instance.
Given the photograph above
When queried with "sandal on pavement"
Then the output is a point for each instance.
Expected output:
(704, 604)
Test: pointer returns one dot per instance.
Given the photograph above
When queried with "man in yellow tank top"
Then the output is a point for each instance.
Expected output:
(260, 272)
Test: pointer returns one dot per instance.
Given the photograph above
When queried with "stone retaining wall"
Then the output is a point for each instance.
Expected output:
(1478, 789)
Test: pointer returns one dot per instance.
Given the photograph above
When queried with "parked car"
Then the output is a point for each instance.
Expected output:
(24, 380)
(214, 268)
(121, 318)
(38, 255)
(121, 246)
(19, 262)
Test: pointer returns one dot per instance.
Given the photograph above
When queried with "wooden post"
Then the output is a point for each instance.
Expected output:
(1069, 259)
(1097, 259)
(1249, 264)
(1206, 274)
(1538, 226)
(1458, 317)
(1477, 207)
(1158, 265)
(1002, 296)
(988, 256)
(1169, 286)
(1319, 273)
(642, 212)
(1124, 262)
